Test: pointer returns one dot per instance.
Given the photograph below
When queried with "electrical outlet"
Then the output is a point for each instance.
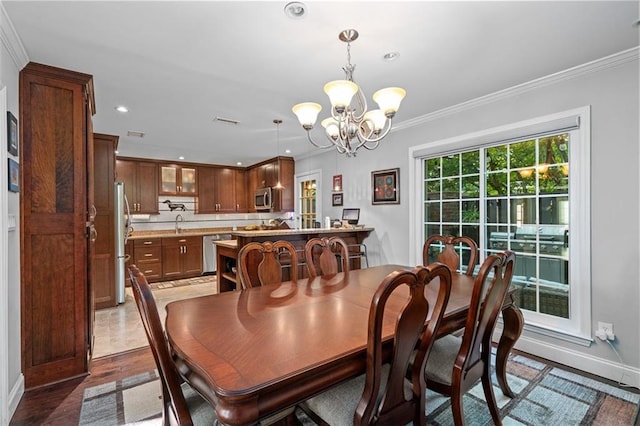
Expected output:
(605, 331)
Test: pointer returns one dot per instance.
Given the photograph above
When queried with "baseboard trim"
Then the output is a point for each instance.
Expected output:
(16, 395)
(599, 366)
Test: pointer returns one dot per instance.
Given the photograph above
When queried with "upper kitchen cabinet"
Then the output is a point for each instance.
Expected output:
(177, 180)
(57, 230)
(218, 190)
(140, 184)
(267, 174)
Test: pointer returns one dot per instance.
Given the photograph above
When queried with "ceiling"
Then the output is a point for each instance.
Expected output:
(178, 65)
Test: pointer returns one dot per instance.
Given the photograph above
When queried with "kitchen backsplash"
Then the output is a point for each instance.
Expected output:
(166, 218)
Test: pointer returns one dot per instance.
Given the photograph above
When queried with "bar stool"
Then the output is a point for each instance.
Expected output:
(359, 251)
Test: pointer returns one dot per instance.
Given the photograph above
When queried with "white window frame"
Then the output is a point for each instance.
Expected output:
(577, 122)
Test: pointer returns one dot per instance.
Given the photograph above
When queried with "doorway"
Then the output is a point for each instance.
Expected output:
(308, 205)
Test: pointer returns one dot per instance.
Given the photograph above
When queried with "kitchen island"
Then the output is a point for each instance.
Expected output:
(227, 251)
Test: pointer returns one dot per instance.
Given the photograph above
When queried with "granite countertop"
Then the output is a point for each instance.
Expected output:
(275, 232)
(227, 243)
(195, 232)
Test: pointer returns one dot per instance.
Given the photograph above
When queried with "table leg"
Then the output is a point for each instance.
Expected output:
(513, 324)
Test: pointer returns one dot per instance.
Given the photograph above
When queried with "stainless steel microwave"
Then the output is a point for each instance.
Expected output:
(263, 199)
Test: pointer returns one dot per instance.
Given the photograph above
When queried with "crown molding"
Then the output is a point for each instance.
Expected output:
(11, 41)
(598, 65)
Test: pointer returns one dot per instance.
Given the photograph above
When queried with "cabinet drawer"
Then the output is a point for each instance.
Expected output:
(147, 242)
(181, 241)
(152, 271)
(147, 254)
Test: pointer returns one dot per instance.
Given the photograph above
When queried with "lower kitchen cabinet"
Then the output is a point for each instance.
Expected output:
(147, 255)
(181, 257)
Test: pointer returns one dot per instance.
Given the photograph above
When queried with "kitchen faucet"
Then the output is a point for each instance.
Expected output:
(179, 218)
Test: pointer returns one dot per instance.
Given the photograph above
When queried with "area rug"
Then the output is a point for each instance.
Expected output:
(204, 279)
(546, 396)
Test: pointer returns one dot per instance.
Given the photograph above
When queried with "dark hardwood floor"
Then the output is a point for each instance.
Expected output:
(59, 404)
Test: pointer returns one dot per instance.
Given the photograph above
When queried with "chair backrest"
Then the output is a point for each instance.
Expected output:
(391, 404)
(433, 251)
(489, 290)
(321, 256)
(175, 408)
(259, 263)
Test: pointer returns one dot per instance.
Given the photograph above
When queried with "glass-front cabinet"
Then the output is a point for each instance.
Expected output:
(177, 180)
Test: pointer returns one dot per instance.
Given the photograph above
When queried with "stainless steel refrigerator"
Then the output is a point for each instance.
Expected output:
(122, 231)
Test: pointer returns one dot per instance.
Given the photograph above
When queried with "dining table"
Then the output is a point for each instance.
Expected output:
(256, 352)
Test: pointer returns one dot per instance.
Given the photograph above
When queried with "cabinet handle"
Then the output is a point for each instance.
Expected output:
(185, 249)
(148, 242)
(148, 255)
(182, 241)
(148, 270)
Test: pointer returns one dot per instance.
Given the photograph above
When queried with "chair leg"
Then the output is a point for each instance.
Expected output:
(457, 408)
(491, 399)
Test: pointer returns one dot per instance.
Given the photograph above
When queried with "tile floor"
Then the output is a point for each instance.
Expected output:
(120, 329)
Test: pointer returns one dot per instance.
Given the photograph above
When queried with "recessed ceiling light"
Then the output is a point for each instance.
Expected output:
(295, 10)
(181, 158)
(239, 163)
(391, 56)
(287, 151)
(122, 108)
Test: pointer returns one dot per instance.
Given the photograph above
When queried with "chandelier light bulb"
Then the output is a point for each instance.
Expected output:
(375, 119)
(340, 93)
(307, 113)
(331, 126)
(389, 99)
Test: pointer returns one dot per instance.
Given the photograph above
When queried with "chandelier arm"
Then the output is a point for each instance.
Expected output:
(362, 103)
(317, 145)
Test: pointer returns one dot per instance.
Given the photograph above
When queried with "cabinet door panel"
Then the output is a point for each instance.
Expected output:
(171, 261)
(225, 190)
(148, 187)
(192, 259)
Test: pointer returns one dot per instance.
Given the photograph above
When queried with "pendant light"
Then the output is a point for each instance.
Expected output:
(278, 122)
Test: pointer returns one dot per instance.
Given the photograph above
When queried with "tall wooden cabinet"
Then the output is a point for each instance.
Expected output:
(56, 196)
(103, 260)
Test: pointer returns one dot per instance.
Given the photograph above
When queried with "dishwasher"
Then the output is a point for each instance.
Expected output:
(209, 252)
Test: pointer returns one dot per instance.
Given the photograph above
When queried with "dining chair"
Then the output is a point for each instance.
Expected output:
(457, 363)
(259, 263)
(181, 404)
(326, 256)
(442, 248)
(384, 395)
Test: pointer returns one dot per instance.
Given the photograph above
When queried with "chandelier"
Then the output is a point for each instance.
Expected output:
(351, 126)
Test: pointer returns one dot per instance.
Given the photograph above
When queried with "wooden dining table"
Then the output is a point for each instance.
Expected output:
(255, 352)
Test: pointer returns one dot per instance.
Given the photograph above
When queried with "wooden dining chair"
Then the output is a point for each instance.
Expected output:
(326, 256)
(442, 249)
(181, 404)
(457, 363)
(259, 263)
(384, 395)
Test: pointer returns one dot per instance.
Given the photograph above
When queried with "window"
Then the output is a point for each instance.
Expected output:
(517, 193)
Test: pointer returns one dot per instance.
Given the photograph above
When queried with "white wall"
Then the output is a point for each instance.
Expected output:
(12, 60)
(611, 88)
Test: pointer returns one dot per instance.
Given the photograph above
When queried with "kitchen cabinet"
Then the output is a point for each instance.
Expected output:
(147, 255)
(103, 258)
(218, 190)
(267, 174)
(181, 257)
(177, 179)
(57, 223)
(140, 184)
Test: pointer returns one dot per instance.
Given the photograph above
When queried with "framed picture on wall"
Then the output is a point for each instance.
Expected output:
(12, 134)
(337, 199)
(337, 183)
(385, 186)
(14, 177)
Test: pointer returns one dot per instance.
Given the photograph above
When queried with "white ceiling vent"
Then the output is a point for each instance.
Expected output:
(226, 120)
(135, 134)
